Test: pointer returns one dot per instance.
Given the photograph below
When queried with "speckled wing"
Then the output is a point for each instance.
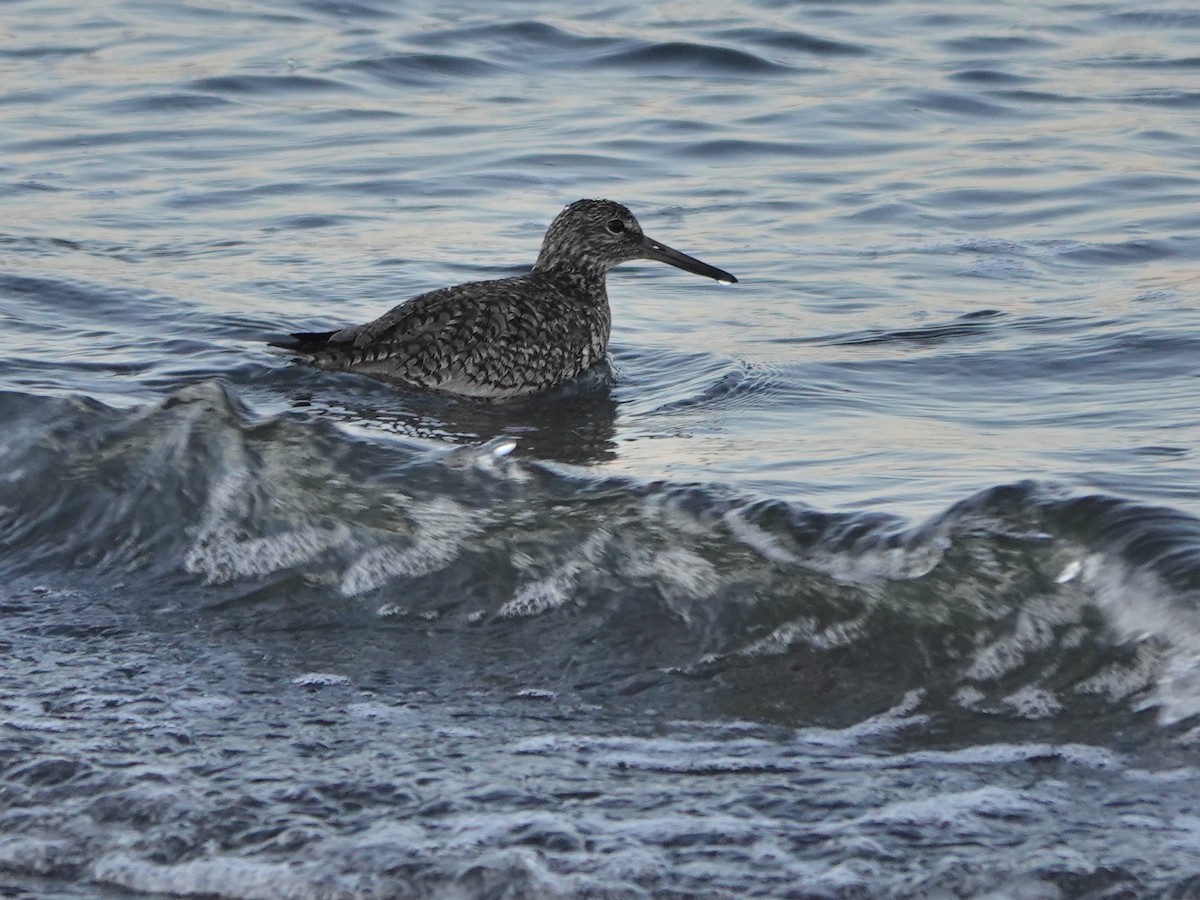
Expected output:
(438, 340)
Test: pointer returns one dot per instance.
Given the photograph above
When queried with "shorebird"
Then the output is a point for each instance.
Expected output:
(512, 336)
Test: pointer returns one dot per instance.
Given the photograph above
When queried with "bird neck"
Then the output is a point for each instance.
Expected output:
(582, 276)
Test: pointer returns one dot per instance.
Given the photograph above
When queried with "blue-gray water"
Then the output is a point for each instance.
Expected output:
(874, 575)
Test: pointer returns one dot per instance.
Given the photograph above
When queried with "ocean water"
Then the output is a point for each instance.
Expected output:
(875, 575)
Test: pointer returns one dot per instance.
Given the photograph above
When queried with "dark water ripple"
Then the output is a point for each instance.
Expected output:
(423, 68)
(202, 97)
(683, 58)
(265, 84)
(797, 42)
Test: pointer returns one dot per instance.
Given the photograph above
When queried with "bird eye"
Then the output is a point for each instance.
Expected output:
(616, 226)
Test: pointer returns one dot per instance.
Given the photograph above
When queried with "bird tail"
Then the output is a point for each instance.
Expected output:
(305, 341)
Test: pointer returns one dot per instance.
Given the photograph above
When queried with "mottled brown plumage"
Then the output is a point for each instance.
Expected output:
(509, 337)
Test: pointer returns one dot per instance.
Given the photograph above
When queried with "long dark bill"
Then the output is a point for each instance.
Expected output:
(652, 249)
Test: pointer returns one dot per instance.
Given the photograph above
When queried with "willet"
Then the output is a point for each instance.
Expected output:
(512, 336)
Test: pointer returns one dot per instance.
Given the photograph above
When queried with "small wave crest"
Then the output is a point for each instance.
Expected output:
(1018, 602)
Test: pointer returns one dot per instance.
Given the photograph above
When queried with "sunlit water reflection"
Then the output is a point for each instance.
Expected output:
(872, 575)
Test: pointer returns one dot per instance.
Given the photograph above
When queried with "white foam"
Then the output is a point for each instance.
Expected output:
(37, 856)
(1164, 776)
(956, 808)
(525, 873)
(863, 566)
(1034, 703)
(723, 827)
(1082, 755)
(902, 715)
(320, 679)
(969, 697)
(27, 714)
(762, 542)
(440, 529)
(1118, 681)
(228, 877)
(540, 745)
(222, 551)
(535, 694)
(1142, 609)
(540, 596)
(1034, 631)
(681, 569)
(807, 631)
(222, 555)
(380, 712)
(46, 725)
(556, 589)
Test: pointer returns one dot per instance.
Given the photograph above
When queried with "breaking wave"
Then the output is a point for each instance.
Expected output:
(1021, 602)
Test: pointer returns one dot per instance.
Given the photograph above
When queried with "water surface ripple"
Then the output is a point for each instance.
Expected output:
(874, 575)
